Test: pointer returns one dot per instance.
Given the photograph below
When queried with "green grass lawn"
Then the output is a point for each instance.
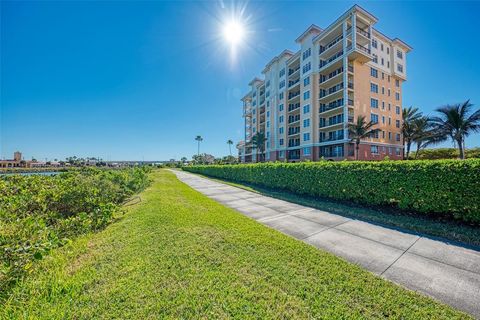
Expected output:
(436, 227)
(178, 254)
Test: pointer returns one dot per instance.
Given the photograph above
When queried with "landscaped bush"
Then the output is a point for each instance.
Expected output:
(442, 188)
(39, 213)
(445, 153)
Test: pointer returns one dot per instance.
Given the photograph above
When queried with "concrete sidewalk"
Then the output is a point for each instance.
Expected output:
(446, 272)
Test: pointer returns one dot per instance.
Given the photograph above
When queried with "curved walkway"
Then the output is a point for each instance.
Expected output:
(444, 271)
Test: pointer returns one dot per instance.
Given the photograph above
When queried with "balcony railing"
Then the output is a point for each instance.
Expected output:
(294, 119)
(350, 102)
(332, 138)
(350, 85)
(363, 32)
(292, 83)
(362, 48)
(323, 63)
(331, 44)
(330, 75)
(293, 106)
(292, 71)
(350, 68)
(335, 88)
(294, 130)
(332, 105)
(292, 95)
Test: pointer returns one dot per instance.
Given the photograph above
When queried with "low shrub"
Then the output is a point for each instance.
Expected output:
(442, 188)
(39, 213)
(444, 153)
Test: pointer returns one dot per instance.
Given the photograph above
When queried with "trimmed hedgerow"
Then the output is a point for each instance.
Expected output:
(434, 187)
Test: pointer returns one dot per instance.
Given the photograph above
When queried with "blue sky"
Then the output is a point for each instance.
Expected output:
(139, 80)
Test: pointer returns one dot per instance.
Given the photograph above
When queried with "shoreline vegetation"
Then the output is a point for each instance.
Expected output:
(179, 254)
(39, 213)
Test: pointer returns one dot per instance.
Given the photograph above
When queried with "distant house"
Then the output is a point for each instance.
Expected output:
(16, 162)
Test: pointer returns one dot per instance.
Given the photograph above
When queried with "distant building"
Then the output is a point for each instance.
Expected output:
(16, 162)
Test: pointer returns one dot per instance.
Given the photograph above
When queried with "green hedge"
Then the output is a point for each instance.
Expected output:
(437, 187)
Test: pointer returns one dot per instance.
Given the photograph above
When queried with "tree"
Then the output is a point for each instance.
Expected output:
(409, 115)
(456, 122)
(425, 134)
(360, 130)
(203, 158)
(198, 139)
(184, 159)
(230, 142)
(258, 142)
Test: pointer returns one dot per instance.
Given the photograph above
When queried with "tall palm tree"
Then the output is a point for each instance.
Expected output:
(230, 142)
(425, 134)
(198, 139)
(258, 142)
(409, 115)
(456, 122)
(360, 130)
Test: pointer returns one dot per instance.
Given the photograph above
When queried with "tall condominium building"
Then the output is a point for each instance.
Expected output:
(306, 99)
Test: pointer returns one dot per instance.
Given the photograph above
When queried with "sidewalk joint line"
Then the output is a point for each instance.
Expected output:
(400, 256)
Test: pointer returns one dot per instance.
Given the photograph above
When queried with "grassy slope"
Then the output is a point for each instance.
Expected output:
(445, 229)
(180, 254)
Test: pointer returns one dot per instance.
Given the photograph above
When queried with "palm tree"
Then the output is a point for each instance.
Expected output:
(230, 142)
(184, 159)
(456, 122)
(258, 142)
(409, 115)
(360, 130)
(424, 133)
(198, 139)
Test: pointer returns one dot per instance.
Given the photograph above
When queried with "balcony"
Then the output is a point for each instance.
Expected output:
(292, 83)
(332, 92)
(350, 68)
(292, 119)
(362, 32)
(293, 106)
(331, 44)
(350, 85)
(361, 53)
(350, 102)
(331, 138)
(293, 95)
(293, 131)
(292, 71)
(324, 63)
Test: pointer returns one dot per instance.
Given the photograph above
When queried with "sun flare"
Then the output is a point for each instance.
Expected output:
(233, 32)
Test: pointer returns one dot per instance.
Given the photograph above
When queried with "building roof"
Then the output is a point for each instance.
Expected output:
(256, 79)
(312, 28)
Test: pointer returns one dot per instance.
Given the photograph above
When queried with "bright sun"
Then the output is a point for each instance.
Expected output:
(233, 32)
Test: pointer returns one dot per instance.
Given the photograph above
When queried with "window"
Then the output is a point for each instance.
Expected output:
(254, 130)
(306, 95)
(388, 64)
(374, 117)
(397, 151)
(399, 67)
(268, 103)
(397, 83)
(306, 108)
(306, 136)
(267, 94)
(389, 107)
(374, 134)
(280, 119)
(399, 54)
(306, 81)
(397, 137)
(383, 134)
(389, 92)
(280, 130)
(282, 73)
(282, 84)
(374, 72)
(307, 67)
(374, 149)
(306, 123)
(280, 96)
(383, 120)
(254, 120)
(389, 121)
(374, 43)
(383, 62)
(383, 90)
(373, 103)
(375, 58)
(381, 46)
(281, 142)
(383, 75)
(397, 123)
(268, 134)
(307, 53)
(373, 87)
(397, 96)
(388, 50)
(306, 151)
(397, 110)
(268, 84)
(268, 124)
(383, 105)
(280, 107)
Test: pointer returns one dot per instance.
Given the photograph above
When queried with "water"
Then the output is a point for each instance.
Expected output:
(41, 173)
